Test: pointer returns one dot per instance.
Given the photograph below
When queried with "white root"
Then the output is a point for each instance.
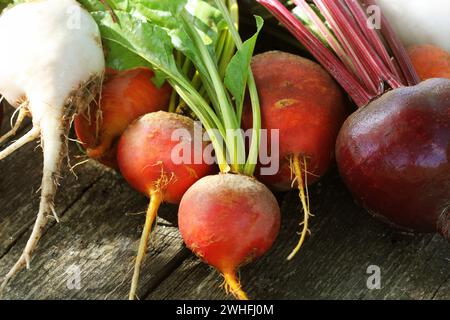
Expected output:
(30, 136)
(22, 115)
(54, 63)
(51, 135)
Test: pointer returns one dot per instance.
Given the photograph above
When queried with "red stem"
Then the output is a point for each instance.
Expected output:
(323, 29)
(328, 60)
(371, 35)
(397, 48)
(347, 25)
(335, 20)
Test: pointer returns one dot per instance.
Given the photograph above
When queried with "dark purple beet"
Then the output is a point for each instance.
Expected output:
(394, 155)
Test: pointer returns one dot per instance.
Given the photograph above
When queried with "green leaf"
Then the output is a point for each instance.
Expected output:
(207, 19)
(162, 13)
(120, 58)
(148, 41)
(97, 5)
(237, 72)
(119, 4)
(172, 6)
(92, 5)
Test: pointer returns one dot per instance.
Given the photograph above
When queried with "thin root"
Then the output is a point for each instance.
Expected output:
(304, 199)
(233, 286)
(72, 168)
(22, 115)
(30, 136)
(152, 212)
(25, 258)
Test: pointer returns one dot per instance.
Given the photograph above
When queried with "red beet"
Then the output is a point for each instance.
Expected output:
(394, 156)
(126, 96)
(229, 220)
(146, 161)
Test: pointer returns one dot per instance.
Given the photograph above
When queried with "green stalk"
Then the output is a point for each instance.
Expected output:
(184, 63)
(187, 66)
(252, 159)
(228, 52)
(195, 101)
(173, 101)
(229, 47)
(197, 80)
(220, 49)
(235, 144)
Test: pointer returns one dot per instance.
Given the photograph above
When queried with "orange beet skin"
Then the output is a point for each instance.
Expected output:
(144, 155)
(430, 61)
(300, 99)
(228, 220)
(125, 96)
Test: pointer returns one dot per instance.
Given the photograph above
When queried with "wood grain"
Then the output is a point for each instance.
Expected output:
(99, 233)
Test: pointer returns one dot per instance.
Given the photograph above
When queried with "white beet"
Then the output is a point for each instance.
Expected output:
(52, 65)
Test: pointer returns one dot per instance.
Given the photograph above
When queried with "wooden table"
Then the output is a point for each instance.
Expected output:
(101, 221)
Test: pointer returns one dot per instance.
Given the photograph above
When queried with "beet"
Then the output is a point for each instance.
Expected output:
(146, 160)
(125, 96)
(305, 105)
(394, 155)
(301, 100)
(229, 220)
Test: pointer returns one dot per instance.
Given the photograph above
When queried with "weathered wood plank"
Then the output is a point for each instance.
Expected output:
(334, 260)
(442, 293)
(20, 179)
(99, 239)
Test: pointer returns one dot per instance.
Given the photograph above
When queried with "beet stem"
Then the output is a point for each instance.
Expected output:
(156, 199)
(371, 64)
(399, 51)
(347, 25)
(371, 35)
(328, 59)
(326, 34)
(346, 35)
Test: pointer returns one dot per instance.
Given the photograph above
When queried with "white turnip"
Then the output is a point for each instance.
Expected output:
(51, 65)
